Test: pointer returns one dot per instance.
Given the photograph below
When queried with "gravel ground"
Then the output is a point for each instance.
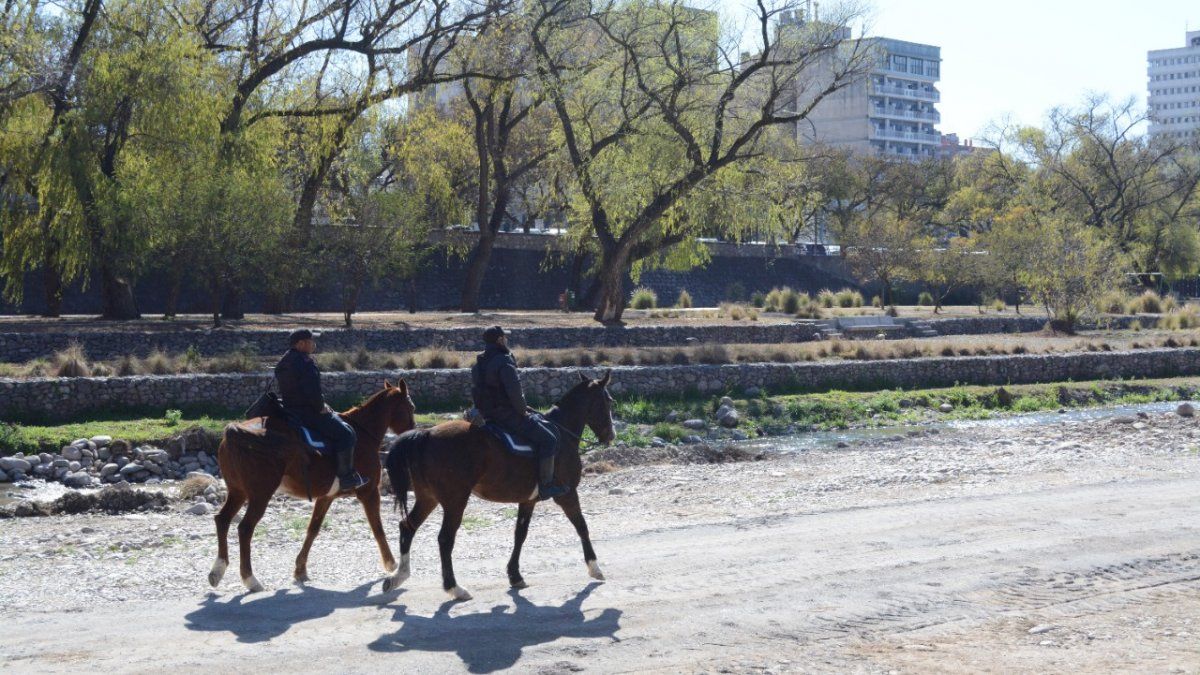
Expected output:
(1061, 547)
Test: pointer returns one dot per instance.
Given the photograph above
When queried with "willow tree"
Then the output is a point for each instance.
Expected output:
(655, 98)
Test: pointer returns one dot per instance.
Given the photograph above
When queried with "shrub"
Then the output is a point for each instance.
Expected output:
(925, 299)
(826, 298)
(758, 300)
(809, 309)
(71, 362)
(876, 301)
(192, 360)
(790, 301)
(999, 305)
(711, 353)
(241, 361)
(101, 370)
(362, 359)
(1115, 302)
(891, 311)
(643, 298)
(685, 300)
(158, 363)
(668, 432)
(1181, 320)
(172, 418)
(773, 300)
(735, 292)
(1146, 303)
(1169, 304)
(126, 366)
(193, 487)
(847, 298)
(1135, 326)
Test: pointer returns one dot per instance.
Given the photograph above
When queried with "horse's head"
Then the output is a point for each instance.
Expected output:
(402, 410)
(595, 405)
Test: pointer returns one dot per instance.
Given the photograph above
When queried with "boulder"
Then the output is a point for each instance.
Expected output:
(79, 479)
(3, 477)
(199, 509)
(693, 439)
(946, 407)
(109, 469)
(72, 453)
(728, 417)
(14, 464)
(694, 424)
(1186, 410)
(101, 441)
(130, 469)
(74, 466)
(726, 402)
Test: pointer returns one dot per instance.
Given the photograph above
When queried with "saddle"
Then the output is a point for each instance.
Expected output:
(275, 431)
(510, 442)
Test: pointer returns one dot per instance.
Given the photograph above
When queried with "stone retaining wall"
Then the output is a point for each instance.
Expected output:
(72, 396)
(18, 347)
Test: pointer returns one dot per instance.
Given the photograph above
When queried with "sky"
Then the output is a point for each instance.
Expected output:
(1023, 57)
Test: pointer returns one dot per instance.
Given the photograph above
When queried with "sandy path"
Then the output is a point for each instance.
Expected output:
(1098, 552)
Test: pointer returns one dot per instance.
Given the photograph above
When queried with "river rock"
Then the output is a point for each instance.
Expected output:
(130, 469)
(657, 442)
(79, 479)
(693, 439)
(101, 441)
(726, 402)
(1186, 410)
(946, 407)
(694, 424)
(43, 458)
(60, 463)
(672, 416)
(3, 477)
(109, 470)
(199, 509)
(104, 454)
(728, 417)
(72, 453)
(15, 463)
(739, 435)
(74, 466)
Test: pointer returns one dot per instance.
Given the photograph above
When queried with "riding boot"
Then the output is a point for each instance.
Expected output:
(547, 488)
(348, 478)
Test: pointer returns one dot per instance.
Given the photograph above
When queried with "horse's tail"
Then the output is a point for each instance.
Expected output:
(399, 459)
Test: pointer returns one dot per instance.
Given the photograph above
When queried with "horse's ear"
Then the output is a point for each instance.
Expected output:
(583, 377)
(387, 384)
(607, 376)
(403, 387)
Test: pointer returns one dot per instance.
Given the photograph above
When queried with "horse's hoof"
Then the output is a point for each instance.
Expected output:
(387, 585)
(217, 573)
(300, 579)
(393, 582)
(458, 593)
(518, 584)
(252, 585)
(594, 571)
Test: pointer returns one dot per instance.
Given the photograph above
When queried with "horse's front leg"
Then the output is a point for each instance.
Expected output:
(570, 506)
(452, 515)
(524, 515)
(408, 529)
(254, 512)
(314, 528)
(369, 497)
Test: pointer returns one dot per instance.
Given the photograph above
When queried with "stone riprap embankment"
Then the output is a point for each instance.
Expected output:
(18, 347)
(986, 325)
(65, 397)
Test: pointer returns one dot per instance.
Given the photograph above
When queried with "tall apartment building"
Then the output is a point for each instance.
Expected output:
(1173, 76)
(892, 111)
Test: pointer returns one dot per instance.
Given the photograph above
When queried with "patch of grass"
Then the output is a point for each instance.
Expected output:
(669, 432)
(684, 301)
(70, 362)
(643, 298)
(470, 522)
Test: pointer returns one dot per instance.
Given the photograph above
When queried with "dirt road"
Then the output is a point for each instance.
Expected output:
(1067, 548)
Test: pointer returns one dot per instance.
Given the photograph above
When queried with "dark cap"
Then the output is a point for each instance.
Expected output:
(301, 334)
(493, 335)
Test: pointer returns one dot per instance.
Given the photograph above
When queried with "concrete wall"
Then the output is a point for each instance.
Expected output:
(63, 398)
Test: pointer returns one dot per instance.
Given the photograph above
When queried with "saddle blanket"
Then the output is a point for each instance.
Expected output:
(509, 441)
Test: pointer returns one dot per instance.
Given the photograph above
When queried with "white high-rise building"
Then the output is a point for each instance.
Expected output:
(1173, 77)
(892, 111)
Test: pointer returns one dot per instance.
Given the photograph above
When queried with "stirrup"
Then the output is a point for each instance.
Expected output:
(551, 491)
(350, 483)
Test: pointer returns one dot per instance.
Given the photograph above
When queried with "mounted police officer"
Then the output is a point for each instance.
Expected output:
(300, 387)
(496, 390)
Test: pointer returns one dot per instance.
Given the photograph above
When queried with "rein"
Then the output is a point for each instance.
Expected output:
(578, 437)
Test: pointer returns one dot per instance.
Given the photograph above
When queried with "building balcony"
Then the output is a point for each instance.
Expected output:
(884, 111)
(907, 136)
(926, 76)
(916, 93)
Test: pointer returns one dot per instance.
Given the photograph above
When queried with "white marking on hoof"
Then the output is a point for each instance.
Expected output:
(217, 573)
(300, 579)
(459, 593)
(252, 584)
(594, 570)
(398, 577)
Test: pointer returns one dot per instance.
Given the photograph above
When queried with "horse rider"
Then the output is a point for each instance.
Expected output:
(496, 390)
(300, 387)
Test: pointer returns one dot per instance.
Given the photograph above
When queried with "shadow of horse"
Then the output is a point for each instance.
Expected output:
(494, 640)
(263, 618)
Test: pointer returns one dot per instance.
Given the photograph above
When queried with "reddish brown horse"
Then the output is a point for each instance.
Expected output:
(446, 464)
(261, 455)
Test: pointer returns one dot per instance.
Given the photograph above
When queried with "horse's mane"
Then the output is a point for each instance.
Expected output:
(568, 398)
(367, 403)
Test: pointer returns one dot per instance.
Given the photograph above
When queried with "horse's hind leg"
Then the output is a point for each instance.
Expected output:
(370, 503)
(254, 513)
(570, 506)
(234, 499)
(320, 508)
(524, 515)
(408, 529)
(452, 515)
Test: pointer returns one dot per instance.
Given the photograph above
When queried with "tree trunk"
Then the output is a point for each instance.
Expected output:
(215, 292)
(52, 290)
(477, 265)
(174, 286)
(350, 303)
(412, 296)
(117, 301)
(610, 295)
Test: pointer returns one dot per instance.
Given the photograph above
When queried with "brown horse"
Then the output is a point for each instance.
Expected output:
(260, 456)
(446, 464)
